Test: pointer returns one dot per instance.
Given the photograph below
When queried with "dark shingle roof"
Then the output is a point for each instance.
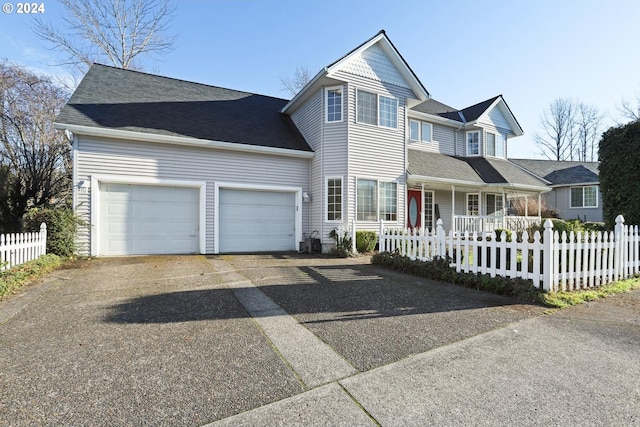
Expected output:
(120, 99)
(561, 172)
(437, 165)
(431, 106)
(478, 170)
(475, 111)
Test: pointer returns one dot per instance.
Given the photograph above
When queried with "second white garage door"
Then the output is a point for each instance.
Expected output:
(148, 219)
(256, 221)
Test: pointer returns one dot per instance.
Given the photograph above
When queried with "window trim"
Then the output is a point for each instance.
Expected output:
(377, 123)
(326, 103)
(466, 142)
(326, 199)
(583, 187)
(495, 144)
(467, 204)
(377, 194)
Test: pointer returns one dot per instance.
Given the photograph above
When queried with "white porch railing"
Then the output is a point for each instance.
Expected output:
(552, 261)
(18, 248)
(479, 224)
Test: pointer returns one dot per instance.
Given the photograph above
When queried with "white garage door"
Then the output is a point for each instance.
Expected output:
(256, 221)
(148, 219)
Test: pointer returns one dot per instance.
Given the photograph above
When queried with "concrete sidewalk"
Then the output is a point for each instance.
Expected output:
(579, 366)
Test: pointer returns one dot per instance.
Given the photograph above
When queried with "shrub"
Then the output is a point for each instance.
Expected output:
(62, 225)
(12, 279)
(440, 269)
(366, 241)
(499, 231)
(344, 245)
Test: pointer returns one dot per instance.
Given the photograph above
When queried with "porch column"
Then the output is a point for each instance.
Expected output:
(504, 203)
(526, 205)
(540, 204)
(422, 204)
(453, 208)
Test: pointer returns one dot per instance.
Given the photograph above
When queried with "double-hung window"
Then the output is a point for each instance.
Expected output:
(473, 143)
(334, 104)
(584, 197)
(377, 200)
(378, 110)
(334, 199)
(501, 143)
(419, 131)
(491, 144)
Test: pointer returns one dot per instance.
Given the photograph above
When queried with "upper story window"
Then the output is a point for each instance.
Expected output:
(334, 104)
(473, 143)
(491, 144)
(501, 144)
(584, 197)
(420, 131)
(377, 110)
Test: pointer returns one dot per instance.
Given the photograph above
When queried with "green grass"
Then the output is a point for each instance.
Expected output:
(567, 299)
(13, 279)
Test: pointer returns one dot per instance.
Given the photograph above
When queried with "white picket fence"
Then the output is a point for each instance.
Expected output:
(552, 260)
(18, 248)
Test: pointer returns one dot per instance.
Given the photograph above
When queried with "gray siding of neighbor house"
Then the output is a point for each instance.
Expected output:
(560, 199)
(178, 162)
(376, 152)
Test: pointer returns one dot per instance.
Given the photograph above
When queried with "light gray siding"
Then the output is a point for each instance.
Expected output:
(443, 140)
(376, 152)
(173, 162)
(559, 199)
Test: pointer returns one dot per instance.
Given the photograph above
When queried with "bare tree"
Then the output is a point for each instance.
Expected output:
(588, 123)
(558, 123)
(293, 84)
(629, 110)
(35, 158)
(111, 31)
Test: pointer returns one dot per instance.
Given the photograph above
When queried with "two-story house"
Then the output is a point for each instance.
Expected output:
(167, 166)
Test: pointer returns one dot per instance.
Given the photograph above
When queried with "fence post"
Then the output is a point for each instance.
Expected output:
(43, 239)
(353, 237)
(381, 242)
(620, 248)
(441, 237)
(547, 254)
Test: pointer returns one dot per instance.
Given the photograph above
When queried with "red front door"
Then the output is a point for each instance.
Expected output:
(414, 208)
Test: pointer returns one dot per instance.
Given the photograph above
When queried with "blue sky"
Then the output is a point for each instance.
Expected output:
(464, 52)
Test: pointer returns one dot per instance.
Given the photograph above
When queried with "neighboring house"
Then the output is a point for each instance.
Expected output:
(576, 187)
(167, 166)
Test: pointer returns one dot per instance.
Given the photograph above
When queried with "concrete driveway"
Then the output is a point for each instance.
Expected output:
(194, 339)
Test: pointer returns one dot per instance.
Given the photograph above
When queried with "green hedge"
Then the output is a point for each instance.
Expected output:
(62, 225)
(439, 269)
(366, 241)
(14, 278)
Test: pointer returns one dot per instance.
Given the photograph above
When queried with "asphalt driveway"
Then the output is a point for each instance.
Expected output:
(190, 340)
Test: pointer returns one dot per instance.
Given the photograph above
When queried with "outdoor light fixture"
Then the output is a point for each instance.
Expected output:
(306, 197)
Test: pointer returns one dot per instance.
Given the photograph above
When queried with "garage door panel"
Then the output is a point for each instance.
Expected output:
(256, 221)
(145, 219)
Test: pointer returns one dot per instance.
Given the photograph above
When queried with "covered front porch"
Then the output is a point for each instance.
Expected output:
(471, 194)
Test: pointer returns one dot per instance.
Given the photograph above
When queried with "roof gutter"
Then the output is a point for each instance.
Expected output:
(182, 140)
(478, 184)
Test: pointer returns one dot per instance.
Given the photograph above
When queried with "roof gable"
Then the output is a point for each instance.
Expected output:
(378, 59)
(493, 111)
(124, 100)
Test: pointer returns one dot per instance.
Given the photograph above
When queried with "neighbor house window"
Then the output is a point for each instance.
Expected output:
(376, 200)
(491, 144)
(473, 143)
(473, 204)
(334, 104)
(419, 131)
(584, 197)
(334, 199)
(377, 110)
